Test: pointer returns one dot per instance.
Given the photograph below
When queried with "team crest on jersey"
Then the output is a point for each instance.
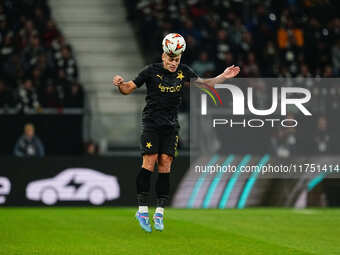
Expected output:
(180, 75)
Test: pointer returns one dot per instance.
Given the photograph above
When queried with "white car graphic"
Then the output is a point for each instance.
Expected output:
(75, 184)
(5, 188)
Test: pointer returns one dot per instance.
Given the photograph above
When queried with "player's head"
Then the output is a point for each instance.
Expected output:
(171, 62)
(173, 46)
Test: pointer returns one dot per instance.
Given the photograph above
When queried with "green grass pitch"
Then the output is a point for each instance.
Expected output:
(92, 231)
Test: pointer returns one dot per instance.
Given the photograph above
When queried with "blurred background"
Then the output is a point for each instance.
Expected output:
(57, 60)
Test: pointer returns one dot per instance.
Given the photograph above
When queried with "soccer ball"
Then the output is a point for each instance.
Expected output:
(173, 44)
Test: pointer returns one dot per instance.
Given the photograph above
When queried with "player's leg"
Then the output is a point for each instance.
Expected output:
(163, 181)
(168, 146)
(149, 147)
(143, 181)
(162, 189)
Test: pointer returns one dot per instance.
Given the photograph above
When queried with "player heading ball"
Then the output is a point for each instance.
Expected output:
(159, 140)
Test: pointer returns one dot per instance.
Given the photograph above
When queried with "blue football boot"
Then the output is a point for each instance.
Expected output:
(144, 222)
(158, 220)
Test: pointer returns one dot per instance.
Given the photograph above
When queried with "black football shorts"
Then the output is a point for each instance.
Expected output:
(159, 141)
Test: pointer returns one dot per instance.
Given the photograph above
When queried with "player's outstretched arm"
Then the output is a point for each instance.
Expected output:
(124, 87)
(229, 72)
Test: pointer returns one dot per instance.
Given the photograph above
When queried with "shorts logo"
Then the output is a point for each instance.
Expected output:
(180, 75)
(148, 145)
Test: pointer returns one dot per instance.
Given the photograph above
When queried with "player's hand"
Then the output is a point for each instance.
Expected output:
(231, 71)
(117, 80)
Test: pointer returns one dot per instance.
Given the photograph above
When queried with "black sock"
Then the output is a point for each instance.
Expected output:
(162, 189)
(143, 187)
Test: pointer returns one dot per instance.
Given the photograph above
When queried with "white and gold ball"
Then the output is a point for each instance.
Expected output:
(173, 44)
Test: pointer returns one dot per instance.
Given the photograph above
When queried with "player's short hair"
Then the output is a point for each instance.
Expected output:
(172, 55)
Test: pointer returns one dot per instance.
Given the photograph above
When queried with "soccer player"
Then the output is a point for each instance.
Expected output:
(159, 139)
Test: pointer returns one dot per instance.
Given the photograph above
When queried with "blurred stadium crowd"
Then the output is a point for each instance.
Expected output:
(288, 38)
(37, 67)
(295, 40)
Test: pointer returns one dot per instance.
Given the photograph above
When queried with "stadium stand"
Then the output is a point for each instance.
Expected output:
(268, 39)
(39, 79)
(104, 44)
(38, 69)
(292, 39)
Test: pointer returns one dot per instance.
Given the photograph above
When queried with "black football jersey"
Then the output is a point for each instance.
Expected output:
(164, 93)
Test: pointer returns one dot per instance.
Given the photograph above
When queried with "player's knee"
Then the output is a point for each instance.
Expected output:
(149, 161)
(164, 163)
(165, 159)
